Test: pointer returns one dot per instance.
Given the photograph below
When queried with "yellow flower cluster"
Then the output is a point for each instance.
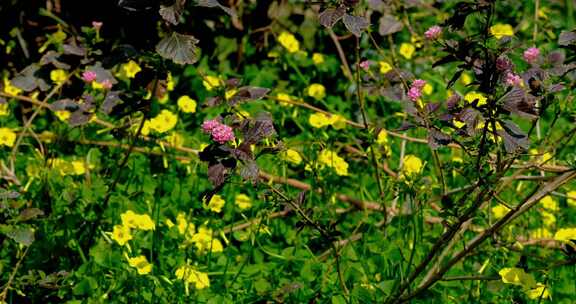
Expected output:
(320, 120)
(64, 167)
(316, 91)
(186, 104)
(285, 99)
(7, 137)
(289, 42)
(331, 159)
(518, 277)
(130, 220)
(566, 235)
(141, 264)
(202, 239)
(385, 67)
(501, 30)
(193, 277)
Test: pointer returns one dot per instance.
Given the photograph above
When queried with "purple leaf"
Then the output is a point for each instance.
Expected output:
(217, 174)
(179, 48)
(330, 16)
(173, 13)
(389, 25)
(355, 24)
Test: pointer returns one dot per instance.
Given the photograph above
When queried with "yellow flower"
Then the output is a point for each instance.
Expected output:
(58, 76)
(471, 96)
(538, 292)
(212, 82)
(130, 69)
(500, 30)
(164, 122)
(121, 234)
(170, 84)
(216, 203)
(407, 50)
(385, 67)
(10, 89)
(4, 109)
(129, 219)
(186, 104)
(517, 276)
(565, 234)
(192, 276)
(411, 165)
(134, 220)
(319, 120)
(331, 159)
(428, 89)
(317, 58)
(78, 167)
(548, 202)
(571, 200)
(183, 225)
(466, 79)
(7, 137)
(243, 201)
(62, 115)
(204, 241)
(458, 124)
(382, 138)
(63, 167)
(292, 156)
(285, 99)
(289, 42)
(548, 218)
(542, 157)
(230, 93)
(317, 91)
(141, 264)
(499, 211)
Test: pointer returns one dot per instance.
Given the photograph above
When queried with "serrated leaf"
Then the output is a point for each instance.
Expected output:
(331, 16)
(248, 94)
(389, 25)
(179, 48)
(111, 100)
(436, 139)
(519, 102)
(173, 13)
(72, 49)
(355, 24)
(217, 174)
(515, 140)
(215, 3)
(258, 128)
(27, 80)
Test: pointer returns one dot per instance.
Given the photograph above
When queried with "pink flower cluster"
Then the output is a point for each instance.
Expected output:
(415, 91)
(513, 79)
(365, 65)
(433, 32)
(220, 132)
(89, 76)
(531, 54)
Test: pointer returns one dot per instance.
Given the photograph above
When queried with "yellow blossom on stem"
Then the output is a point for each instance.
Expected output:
(186, 104)
(204, 241)
(316, 91)
(382, 137)
(499, 211)
(58, 76)
(571, 198)
(565, 234)
(121, 234)
(538, 292)
(130, 69)
(412, 165)
(548, 202)
(517, 276)
(212, 82)
(63, 115)
(289, 42)
(385, 67)
(4, 109)
(7, 137)
(331, 159)
(319, 120)
(317, 58)
(243, 201)
(472, 96)
(164, 122)
(500, 30)
(292, 156)
(216, 203)
(407, 50)
(10, 89)
(141, 264)
(192, 276)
